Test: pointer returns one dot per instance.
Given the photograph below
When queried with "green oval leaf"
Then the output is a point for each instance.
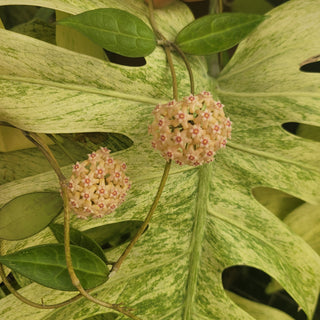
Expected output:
(46, 265)
(78, 238)
(115, 30)
(110, 236)
(217, 32)
(28, 214)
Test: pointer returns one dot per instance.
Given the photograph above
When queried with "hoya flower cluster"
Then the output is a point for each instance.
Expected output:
(97, 185)
(190, 131)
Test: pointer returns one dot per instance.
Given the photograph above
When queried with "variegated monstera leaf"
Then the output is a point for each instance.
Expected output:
(207, 219)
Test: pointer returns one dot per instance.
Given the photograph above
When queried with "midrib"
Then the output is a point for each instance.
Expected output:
(82, 89)
(197, 239)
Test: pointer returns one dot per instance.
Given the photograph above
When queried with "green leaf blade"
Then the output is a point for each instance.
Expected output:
(78, 238)
(215, 33)
(46, 265)
(28, 214)
(115, 30)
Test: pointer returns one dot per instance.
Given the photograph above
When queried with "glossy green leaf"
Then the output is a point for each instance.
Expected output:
(207, 219)
(71, 39)
(28, 214)
(216, 32)
(78, 238)
(46, 265)
(20, 279)
(114, 234)
(115, 30)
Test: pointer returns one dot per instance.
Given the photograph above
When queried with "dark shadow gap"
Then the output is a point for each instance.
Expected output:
(113, 235)
(278, 202)
(311, 67)
(67, 148)
(302, 130)
(12, 281)
(250, 283)
(125, 61)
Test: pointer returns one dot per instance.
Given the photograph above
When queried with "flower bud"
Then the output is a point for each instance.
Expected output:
(190, 131)
(98, 185)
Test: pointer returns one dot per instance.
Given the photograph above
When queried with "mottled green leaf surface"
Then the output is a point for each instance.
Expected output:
(207, 219)
(78, 238)
(216, 32)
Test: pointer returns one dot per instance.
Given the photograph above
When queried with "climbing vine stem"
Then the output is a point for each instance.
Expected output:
(31, 303)
(62, 180)
(143, 227)
(188, 66)
(220, 54)
(168, 45)
(167, 48)
(75, 280)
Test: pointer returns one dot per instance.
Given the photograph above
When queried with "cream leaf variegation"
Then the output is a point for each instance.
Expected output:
(207, 219)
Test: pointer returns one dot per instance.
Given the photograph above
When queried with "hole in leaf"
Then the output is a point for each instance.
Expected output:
(93, 140)
(32, 21)
(251, 283)
(67, 149)
(103, 316)
(11, 279)
(302, 130)
(113, 235)
(317, 311)
(278, 202)
(311, 65)
(74, 40)
(13, 15)
(12, 139)
(199, 9)
(277, 2)
(126, 61)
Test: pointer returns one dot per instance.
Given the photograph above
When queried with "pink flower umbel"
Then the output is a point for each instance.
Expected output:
(190, 131)
(97, 185)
